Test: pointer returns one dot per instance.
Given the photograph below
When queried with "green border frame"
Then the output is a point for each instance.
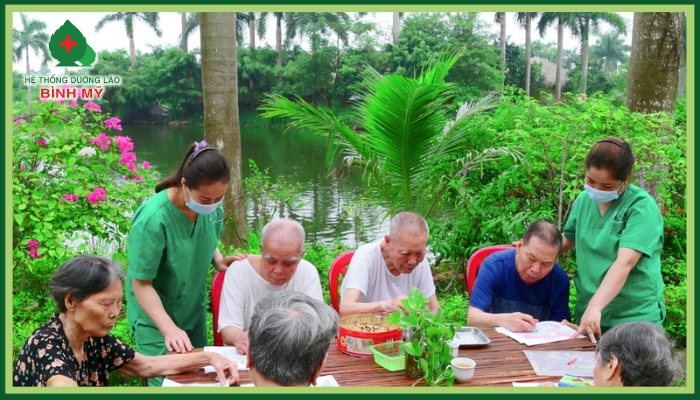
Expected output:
(690, 93)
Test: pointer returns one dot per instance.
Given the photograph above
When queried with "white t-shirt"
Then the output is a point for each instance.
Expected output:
(369, 274)
(243, 288)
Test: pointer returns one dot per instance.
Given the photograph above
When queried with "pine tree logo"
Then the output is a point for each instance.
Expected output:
(70, 48)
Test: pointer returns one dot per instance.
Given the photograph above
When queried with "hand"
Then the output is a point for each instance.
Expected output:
(590, 324)
(177, 340)
(225, 368)
(223, 264)
(390, 306)
(519, 322)
(514, 243)
(242, 344)
(569, 324)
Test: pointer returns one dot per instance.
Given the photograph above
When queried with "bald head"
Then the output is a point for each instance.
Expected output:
(407, 222)
(283, 231)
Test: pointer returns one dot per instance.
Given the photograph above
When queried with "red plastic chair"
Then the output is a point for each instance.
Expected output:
(338, 266)
(475, 262)
(217, 284)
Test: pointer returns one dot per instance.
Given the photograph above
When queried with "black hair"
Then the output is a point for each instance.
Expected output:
(613, 155)
(82, 276)
(201, 168)
(547, 232)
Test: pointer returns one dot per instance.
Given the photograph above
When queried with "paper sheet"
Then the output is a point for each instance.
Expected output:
(171, 383)
(526, 384)
(327, 381)
(547, 332)
(228, 352)
(556, 363)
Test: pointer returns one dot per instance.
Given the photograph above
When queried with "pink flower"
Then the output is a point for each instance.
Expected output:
(126, 178)
(21, 167)
(131, 166)
(74, 103)
(146, 165)
(96, 196)
(43, 100)
(113, 123)
(57, 112)
(138, 178)
(92, 106)
(102, 141)
(125, 144)
(59, 101)
(127, 158)
(33, 254)
(32, 244)
(19, 121)
(582, 97)
(65, 86)
(70, 197)
(41, 142)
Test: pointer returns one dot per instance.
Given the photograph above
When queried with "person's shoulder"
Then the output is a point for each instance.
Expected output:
(639, 195)
(307, 267)
(153, 209)
(368, 248)
(500, 258)
(559, 274)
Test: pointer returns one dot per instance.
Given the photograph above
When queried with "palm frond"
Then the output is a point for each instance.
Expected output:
(109, 18)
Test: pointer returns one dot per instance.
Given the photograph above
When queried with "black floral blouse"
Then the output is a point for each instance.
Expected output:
(48, 353)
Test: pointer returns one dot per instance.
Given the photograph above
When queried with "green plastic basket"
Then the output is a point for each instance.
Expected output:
(389, 355)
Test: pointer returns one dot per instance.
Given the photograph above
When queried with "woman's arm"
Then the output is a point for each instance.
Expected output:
(222, 263)
(145, 366)
(175, 338)
(61, 380)
(566, 244)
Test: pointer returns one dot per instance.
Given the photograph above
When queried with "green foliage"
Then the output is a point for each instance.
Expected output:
(429, 337)
(515, 65)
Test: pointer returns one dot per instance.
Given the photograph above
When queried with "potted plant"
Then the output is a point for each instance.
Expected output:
(427, 342)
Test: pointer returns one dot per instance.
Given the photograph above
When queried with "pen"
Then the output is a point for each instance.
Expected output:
(573, 360)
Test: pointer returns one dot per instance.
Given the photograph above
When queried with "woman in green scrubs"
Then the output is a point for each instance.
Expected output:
(617, 229)
(172, 242)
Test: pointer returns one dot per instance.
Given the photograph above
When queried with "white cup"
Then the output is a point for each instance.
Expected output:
(463, 368)
(454, 349)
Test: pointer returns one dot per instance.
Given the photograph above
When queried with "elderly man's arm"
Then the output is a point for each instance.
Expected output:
(147, 366)
(516, 322)
(433, 304)
(350, 304)
(235, 336)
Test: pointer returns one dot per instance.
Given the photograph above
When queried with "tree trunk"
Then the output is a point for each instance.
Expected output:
(221, 123)
(278, 45)
(528, 49)
(503, 43)
(654, 62)
(681, 76)
(251, 30)
(584, 67)
(29, 88)
(132, 52)
(184, 25)
(653, 72)
(560, 50)
(396, 28)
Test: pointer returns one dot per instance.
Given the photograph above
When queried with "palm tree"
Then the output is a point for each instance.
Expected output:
(610, 49)
(500, 17)
(262, 26)
(193, 24)
(561, 19)
(408, 139)
(396, 27)
(586, 22)
(569, 59)
(524, 19)
(31, 36)
(221, 121)
(150, 18)
(183, 43)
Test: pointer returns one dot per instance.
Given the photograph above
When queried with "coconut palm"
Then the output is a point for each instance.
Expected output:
(193, 24)
(409, 140)
(610, 50)
(524, 20)
(31, 36)
(586, 22)
(500, 17)
(396, 27)
(561, 20)
(150, 18)
(183, 43)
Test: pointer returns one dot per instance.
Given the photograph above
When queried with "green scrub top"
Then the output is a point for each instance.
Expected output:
(633, 221)
(167, 248)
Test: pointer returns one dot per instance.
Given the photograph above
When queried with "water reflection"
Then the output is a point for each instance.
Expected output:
(330, 201)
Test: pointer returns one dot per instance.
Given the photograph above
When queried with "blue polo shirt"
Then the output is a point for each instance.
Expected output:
(498, 289)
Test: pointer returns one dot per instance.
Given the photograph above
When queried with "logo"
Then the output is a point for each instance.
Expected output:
(70, 48)
(619, 216)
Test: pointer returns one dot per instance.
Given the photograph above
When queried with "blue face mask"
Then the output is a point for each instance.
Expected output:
(601, 196)
(204, 209)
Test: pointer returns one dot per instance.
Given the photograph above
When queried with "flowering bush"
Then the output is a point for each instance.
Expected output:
(71, 178)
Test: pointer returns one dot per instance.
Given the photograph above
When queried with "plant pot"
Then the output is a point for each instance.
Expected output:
(413, 367)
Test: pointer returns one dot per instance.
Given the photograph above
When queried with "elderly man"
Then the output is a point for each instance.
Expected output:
(517, 288)
(279, 268)
(289, 338)
(381, 274)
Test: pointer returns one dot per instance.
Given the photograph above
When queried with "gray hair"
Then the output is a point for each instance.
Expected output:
(83, 276)
(547, 232)
(288, 229)
(289, 336)
(644, 352)
(407, 222)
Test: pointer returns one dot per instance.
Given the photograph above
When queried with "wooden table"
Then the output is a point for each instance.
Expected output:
(500, 363)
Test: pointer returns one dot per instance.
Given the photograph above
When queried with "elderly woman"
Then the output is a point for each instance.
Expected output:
(75, 348)
(634, 354)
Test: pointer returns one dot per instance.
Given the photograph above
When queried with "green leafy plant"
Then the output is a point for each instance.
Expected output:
(429, 337)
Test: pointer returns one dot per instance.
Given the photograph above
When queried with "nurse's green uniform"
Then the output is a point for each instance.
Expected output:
(633, 221)
(167, 248)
